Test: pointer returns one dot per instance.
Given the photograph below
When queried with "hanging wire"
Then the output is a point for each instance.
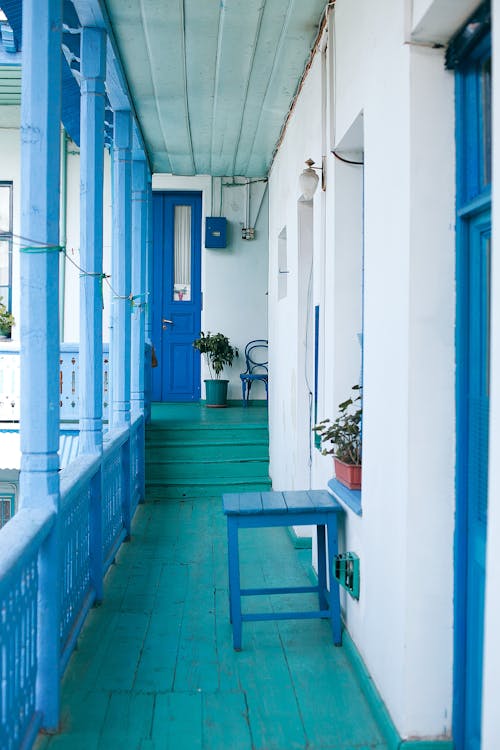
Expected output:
(36, 247)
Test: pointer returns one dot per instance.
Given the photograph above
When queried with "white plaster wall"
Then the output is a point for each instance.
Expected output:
(234, 279)
(10, 170)
(402, 623)
(289, 406)
(71, 272)
(491, 685)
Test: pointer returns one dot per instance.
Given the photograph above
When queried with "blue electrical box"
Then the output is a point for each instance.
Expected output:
(215, 231)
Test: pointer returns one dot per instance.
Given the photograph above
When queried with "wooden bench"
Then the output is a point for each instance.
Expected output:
(266, 509)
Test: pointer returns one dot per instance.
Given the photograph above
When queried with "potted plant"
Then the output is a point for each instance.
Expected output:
(6, 321)
(342, 439)
(219, 352)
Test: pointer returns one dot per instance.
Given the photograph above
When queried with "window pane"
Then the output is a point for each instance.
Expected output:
(5, 197)
(182, 253)
(485, 82)
(4, 263)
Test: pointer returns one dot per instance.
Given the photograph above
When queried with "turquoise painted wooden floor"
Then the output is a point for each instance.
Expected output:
(155, 668)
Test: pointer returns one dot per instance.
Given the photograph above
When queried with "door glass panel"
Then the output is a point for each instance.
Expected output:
(182, 254)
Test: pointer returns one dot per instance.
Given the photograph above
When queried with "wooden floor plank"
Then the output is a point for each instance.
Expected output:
(177, 723)
(128, 721)
(225, 721)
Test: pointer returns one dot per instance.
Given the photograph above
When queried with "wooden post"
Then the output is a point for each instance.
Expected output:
(149, 297)
(121, 270)
(122, 304)
(139, 236)
(93, 69)
(39, 264)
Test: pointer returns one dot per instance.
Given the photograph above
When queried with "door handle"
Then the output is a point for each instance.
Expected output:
(165, 321)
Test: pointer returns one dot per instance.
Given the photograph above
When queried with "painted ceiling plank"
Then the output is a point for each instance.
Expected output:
(162, 77)
(94, 13)
(295, 46)
(165, 33)
(273, 25)
(129, 29)
(202, 32)
(240, 26)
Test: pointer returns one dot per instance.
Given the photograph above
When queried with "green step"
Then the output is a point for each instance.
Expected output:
(180, 471)
(189, 451)
(161, 490)
(207, 434)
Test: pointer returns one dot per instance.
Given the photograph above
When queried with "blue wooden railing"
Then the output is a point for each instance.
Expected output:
(99, 495)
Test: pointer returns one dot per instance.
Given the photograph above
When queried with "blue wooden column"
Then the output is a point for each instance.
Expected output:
(121, 270)
(93, 69)
(39, 265)
(139, 237)
(92, 106)
(149, 290)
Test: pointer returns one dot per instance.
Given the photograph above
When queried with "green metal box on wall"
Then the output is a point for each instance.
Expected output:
(215, 231)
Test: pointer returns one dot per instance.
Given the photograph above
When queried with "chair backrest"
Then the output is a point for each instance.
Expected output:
(256, 357)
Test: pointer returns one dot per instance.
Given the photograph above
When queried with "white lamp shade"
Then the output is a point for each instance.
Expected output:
(308, 181)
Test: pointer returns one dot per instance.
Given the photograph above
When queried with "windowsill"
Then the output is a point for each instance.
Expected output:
(345, 496)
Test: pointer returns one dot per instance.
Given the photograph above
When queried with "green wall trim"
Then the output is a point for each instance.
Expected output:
(427, 744)
(378, 708)
(299, 542)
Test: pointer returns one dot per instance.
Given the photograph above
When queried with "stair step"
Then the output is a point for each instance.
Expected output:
(161, 490)
(181, 471)
(207, 433)
(191, 451)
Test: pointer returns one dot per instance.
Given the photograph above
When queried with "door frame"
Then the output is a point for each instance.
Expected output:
(472, 199)
(158, 283)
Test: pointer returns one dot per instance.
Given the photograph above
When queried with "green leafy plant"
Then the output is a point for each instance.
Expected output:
(6, 320)
(218, 351)
(342, 437)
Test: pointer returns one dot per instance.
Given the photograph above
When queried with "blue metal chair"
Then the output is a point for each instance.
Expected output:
(256, 362)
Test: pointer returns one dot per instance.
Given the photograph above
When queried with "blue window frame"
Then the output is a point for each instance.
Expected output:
(7, 507)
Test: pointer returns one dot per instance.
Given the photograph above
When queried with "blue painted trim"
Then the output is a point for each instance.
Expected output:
(471, 198)
(350, 498)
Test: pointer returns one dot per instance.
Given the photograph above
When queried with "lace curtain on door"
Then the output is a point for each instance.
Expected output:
(182, 253)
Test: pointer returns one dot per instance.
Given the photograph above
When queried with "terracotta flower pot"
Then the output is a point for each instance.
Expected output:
(348, 474)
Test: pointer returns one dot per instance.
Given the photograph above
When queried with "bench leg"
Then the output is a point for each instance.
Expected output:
(234, 582)
(320, 534)
(334, 587)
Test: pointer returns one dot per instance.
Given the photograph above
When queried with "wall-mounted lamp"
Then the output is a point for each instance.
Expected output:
(308, 180)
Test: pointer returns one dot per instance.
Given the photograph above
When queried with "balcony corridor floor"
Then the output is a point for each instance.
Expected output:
(155, 668)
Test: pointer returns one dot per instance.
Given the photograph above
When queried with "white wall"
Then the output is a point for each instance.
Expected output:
(234, 279)
(402, 623)
(10, 170)
(71, 273)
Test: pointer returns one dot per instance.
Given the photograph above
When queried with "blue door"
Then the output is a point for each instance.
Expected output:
(176, 295)
(471, 55)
